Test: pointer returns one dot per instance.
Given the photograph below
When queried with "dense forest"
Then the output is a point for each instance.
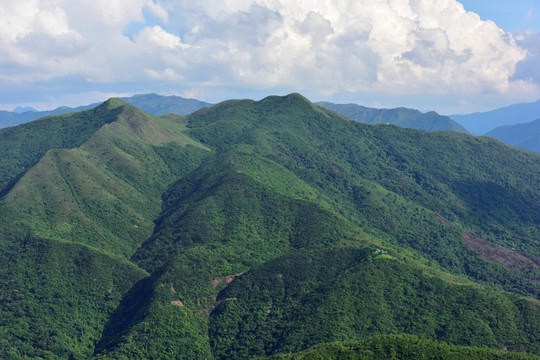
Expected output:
(275, 228)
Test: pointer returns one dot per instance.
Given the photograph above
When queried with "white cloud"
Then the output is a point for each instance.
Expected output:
(319, 46)
(166, 74)
(156, 35)
(111, 13)
(157, 10)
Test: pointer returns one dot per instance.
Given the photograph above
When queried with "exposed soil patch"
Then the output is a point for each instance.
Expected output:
(442, 220)
(498, 254)
(224, 281)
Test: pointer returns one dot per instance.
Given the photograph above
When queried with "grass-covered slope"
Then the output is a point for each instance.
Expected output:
(24, 145)
(69, 224)
(56, 296)
(106, 192)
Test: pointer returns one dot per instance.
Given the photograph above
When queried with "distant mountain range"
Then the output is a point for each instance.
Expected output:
(517, 125)
(403, 117)
(159, 105)
(9, 118)
(153, 103)
(525, 136)
(481, 123)
(20, 109)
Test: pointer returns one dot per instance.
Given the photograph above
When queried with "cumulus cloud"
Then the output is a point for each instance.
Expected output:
(396, 45)
(326, 46)
(156, 35)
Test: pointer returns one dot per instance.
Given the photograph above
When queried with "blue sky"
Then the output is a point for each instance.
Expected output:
(515, 16)
(443, 55)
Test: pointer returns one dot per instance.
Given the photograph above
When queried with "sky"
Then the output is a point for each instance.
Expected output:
(450, 56)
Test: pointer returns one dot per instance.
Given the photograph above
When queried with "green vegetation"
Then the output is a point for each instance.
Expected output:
(307, 298)
(70, 223)
(56, 296)
(24, 145)
(397, 347)
(390, 181)
(257, 228)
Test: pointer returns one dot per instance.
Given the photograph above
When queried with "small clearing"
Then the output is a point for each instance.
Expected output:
(498, 254)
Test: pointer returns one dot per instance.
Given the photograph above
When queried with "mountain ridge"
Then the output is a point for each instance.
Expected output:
(152, 103)
(482, 122)
(525, 136)
(403, 117)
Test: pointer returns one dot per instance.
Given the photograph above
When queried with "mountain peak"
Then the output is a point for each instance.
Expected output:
(20, 109)
(113, 103)
(293, 98)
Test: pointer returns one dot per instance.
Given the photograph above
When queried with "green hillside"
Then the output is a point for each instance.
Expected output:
(152, 103)
(24, 145)
(400, 347)
(251, 229)
(70, 223)
(307, 298)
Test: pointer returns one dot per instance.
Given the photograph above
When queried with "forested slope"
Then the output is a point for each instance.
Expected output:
(70, 222)
(256, 228)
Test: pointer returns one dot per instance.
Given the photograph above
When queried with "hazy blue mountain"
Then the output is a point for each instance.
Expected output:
(153, 103)
(8, 118)
(20, 109)
(403, 117)
(483, 122)
(159, 105)
(525, 136)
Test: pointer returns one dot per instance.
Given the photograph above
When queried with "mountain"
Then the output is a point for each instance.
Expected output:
(525, 136)
(402, 117)
(20, 109)
(76, 215)
(483, 122)
(160, 105)
(8, 118)
(258, 228)
(152, 103)
(23, 146)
